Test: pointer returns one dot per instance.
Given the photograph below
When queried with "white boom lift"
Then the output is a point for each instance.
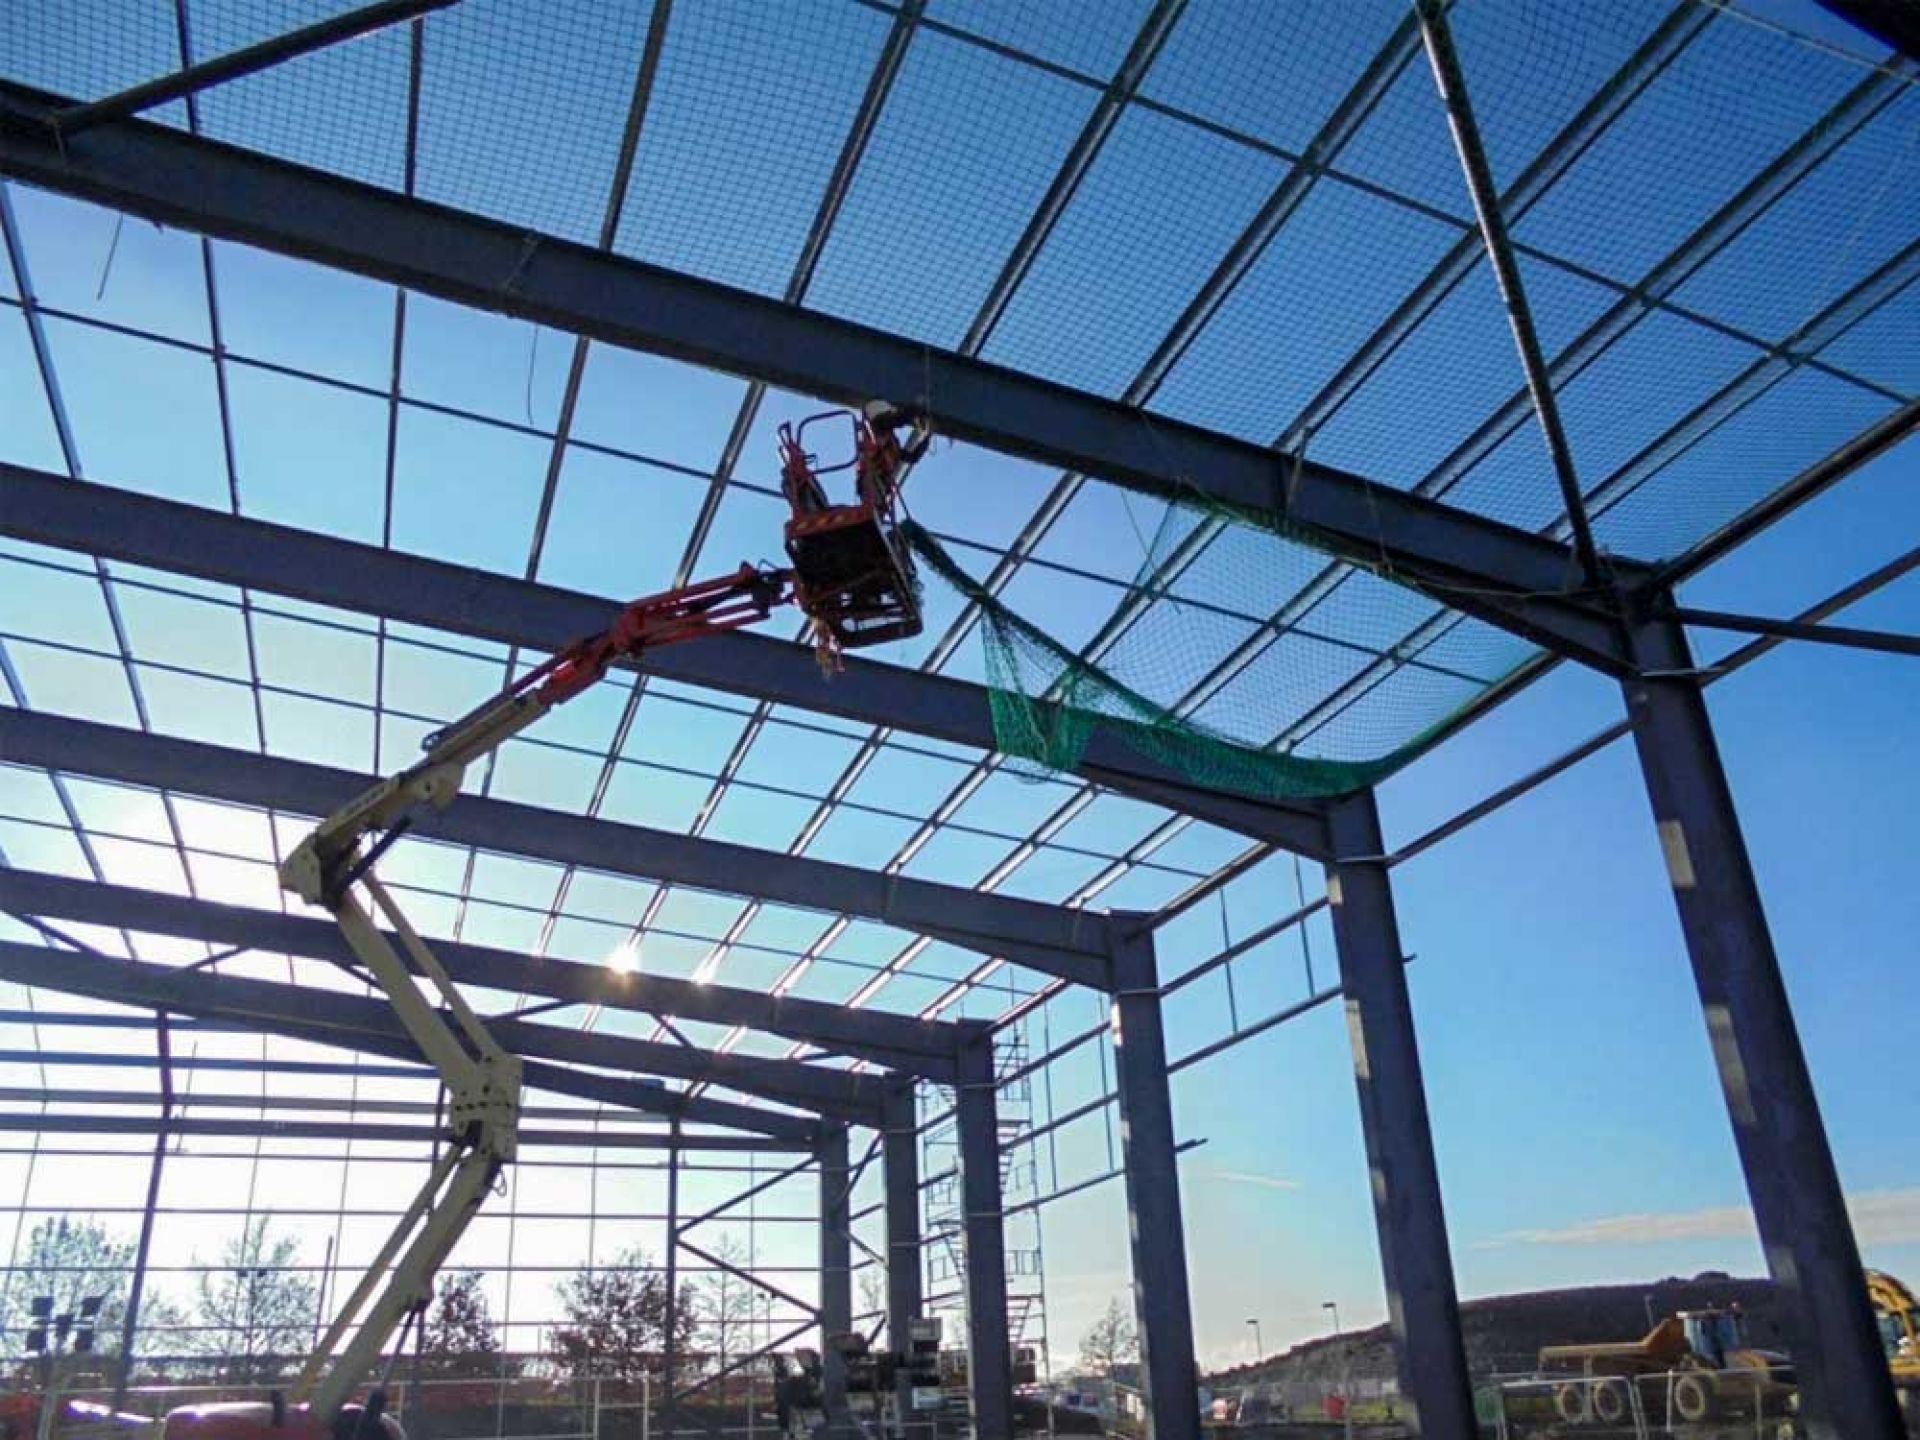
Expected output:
(853, 577)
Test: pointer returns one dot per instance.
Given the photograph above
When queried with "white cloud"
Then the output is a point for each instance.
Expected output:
(1887, 1217)
(1880, 1217)
(1245, 1177)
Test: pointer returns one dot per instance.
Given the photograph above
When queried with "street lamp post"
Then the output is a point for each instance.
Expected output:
(1259, 1350)
(1346, 1373)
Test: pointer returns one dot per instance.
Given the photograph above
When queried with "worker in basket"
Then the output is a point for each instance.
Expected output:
(853, 570)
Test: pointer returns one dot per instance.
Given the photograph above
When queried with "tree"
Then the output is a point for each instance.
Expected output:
(615, 1323)
(460, 1338)
(164, 1337)
(729, 1305)
(72, 1261)
(1112, 1341)
(873, 1290)
(254, 1309)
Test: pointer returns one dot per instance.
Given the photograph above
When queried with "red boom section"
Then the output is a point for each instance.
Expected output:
(746, 597)
(710, 607)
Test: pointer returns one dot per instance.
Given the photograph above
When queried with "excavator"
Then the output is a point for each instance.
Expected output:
(852, 577)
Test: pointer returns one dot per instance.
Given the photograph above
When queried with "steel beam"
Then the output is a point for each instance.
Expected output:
(1891, 22)
(900, 1178)
(294, 1103)
(1798, 1204)
(984, 1259)
(332, 1018)
(1819, 477)
(1747, 388)
(1506, 576)
(50, 509)
(116, 1060)
(60, 1123)
(836, 1276)
(1451, 82)
(1607, 104)
(923, 1047)
(1422, 1305)
(838, 1093)
(1162, 1305)
(670, 1338)
(1849, 636)
(1048, 938)
(238, 63)
(1846, 118)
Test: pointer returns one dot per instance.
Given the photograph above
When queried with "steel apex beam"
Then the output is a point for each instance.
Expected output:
(1504, 575)
(924, 1047)
(1048, 938)
(50, 509)
(328, 1017)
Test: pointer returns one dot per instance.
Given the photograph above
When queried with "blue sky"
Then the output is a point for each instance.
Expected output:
(1580, 1132)
(1576, 1110)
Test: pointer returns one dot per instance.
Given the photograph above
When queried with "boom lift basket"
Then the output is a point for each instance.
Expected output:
(854, 573)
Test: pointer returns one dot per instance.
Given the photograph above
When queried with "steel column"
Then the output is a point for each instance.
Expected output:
(162, 1136)
(1422, 1307)
(989, 1343)
(1161, 1303)
(900, 1174)
(836, 1275)
(670, 1341)
(1795, 1189)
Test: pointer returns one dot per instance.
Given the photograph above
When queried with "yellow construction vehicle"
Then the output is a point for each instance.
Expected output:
(1899, 1316)
(1696, 1367)
(1693, 1367)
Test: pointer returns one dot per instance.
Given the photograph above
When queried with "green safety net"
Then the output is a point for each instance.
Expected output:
(1144, 679)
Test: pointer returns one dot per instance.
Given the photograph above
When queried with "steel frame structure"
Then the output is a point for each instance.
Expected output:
(1610, 613)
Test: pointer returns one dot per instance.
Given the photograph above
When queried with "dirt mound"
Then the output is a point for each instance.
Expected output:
(1504, 1333)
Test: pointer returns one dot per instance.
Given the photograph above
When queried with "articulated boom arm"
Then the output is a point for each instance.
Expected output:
(333, 866)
